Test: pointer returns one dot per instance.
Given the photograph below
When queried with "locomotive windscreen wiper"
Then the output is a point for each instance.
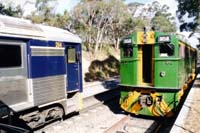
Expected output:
(170, 49)
(170, 46)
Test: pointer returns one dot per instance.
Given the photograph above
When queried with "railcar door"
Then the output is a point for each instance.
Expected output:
(73, 67)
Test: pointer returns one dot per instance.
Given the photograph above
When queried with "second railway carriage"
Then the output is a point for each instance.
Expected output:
(156, 68)
(40, 70)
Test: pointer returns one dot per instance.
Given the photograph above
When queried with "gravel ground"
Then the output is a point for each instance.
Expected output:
(101, 118)
(136, 125)
(95, 120)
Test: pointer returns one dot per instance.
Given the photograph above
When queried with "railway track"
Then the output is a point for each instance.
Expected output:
(102, 114)
(104, 117)
(130, 124)
(91, 105)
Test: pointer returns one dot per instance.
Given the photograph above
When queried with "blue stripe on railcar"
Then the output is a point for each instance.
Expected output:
(47, 66)
(39, 43)
(44, 43)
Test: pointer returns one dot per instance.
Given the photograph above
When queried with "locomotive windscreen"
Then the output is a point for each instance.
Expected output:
(127, 48)
(166, 49)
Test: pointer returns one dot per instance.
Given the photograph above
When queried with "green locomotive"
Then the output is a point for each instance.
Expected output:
(156, 68)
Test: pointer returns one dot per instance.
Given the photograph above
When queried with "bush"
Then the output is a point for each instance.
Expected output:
(101, 70)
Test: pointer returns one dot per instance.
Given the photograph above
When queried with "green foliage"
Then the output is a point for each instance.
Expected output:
(161, 19)
(45, 14)
(100, 20)
(101, 70)
(10, 10)
(192, 8)
(161, 22)
(62, 21)
(133, 24)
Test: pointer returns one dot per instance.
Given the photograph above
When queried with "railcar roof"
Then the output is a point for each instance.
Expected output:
(188, 39)
(21, 28)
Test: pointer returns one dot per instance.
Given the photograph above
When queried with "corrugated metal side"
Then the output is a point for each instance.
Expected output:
(47, 51)
(48, 89)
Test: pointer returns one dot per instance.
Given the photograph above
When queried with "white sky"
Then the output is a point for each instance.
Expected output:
(172, 4)
(28, 5)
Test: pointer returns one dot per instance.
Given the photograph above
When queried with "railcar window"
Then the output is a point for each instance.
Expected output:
(10, 56)
(166, 49)
(187, 54)
(127, 51)
(71, 55)
(181, 51)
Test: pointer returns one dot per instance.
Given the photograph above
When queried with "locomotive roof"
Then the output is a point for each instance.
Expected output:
(189, 39)
(21, 28)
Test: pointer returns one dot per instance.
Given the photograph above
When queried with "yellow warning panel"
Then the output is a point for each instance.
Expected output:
(149, 38)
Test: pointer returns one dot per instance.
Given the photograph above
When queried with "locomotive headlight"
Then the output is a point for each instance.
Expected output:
(127, 41)
(164, 38)
(162, 74)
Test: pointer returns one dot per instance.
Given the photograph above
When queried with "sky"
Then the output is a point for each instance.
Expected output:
(28, 5)
(62, 5)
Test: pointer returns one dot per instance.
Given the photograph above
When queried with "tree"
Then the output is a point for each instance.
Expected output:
(45, 12)
(161, 23)
(101, 23)
(163, 20)
(92, 17)
(63, 21)
(152, 15)
(190, 8)
(159, 17)
(120, 16)
(10, 10)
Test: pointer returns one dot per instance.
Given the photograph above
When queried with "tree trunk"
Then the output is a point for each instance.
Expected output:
(118, 43)
(99, 38)
(97, 41)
